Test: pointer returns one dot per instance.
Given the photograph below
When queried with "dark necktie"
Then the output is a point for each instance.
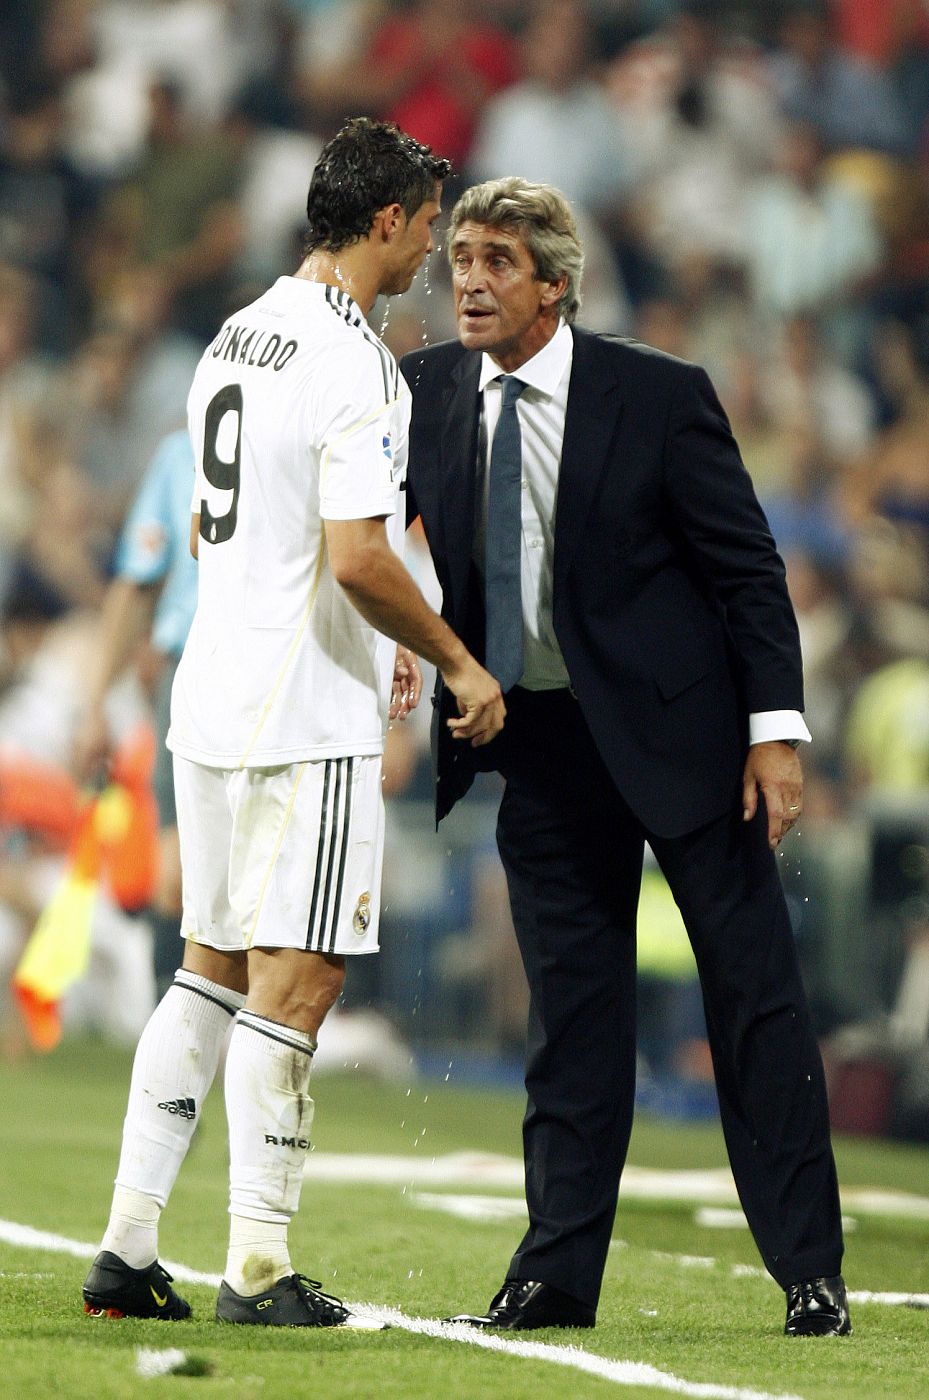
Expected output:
(502, 563)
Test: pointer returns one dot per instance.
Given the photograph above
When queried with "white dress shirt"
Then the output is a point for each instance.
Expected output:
(541, 410)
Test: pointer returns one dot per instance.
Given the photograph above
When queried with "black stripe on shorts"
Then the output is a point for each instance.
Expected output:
(320, 852)
(346, 824)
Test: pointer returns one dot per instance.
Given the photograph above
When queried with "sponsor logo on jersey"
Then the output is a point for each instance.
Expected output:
(361, 919)
(303, 1143)
(180, 1108)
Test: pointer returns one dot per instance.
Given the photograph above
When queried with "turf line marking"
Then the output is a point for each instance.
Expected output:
(712, 1186)
(899, 1300)
(627, 1373)
(30, 1238)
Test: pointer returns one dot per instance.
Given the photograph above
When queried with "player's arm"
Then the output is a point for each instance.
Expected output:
(195, 535)
(379, 585)
(126, 617)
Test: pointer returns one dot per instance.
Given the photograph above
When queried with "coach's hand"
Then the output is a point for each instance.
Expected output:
(774, 770)
(480, 702)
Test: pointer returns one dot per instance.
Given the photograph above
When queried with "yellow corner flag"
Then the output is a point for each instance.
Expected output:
(116, 841)
(55, 957)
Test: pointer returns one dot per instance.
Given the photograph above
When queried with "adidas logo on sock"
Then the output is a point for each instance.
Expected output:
(180, 1108)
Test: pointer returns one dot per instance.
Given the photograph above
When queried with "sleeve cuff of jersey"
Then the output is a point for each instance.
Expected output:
(356, 511)
(770, 725)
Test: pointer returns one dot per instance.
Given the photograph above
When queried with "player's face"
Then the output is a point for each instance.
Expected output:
(502, 306)
(412, 244)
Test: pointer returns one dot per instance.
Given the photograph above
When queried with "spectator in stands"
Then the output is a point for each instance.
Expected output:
(177, 215)
(274, 160)
(850, 101)
(430, 68)
(25, 380)
(705, 121)
(891, 480)
(825, 621)
(112, 413)
(43, 204)
(556, 125)
(811, 244)
(805, 387)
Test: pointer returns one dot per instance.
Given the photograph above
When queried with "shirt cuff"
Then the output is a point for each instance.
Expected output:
(770, 725)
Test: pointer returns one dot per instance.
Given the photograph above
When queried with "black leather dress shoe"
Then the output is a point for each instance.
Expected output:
(522, 1305)
(817, 1307)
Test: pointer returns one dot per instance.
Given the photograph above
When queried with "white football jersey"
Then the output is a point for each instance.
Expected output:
(298, 414)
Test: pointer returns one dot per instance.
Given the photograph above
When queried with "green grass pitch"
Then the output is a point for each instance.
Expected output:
(695, 1319)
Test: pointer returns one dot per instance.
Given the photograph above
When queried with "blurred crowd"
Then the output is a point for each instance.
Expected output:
(752, 182)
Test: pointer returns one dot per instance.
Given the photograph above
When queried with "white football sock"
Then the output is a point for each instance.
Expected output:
(270, 1114)
(258, 1255)
(175, 1064)
(132, 1232)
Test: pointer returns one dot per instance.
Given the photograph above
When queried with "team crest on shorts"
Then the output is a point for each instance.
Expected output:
(361, 919)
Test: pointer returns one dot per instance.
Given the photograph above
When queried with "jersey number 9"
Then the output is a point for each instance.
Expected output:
(222, 472)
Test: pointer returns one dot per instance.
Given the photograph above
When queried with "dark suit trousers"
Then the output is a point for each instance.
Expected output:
(572, 851)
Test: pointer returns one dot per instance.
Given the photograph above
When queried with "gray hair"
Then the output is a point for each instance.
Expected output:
(542, 216)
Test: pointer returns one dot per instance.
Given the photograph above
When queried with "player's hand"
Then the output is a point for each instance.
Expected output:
(774, 770)
(407, 684)
(91, 746)
(480, 703)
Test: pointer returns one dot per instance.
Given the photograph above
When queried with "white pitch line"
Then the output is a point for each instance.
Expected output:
(899, 1300)
(628, 1373)
(30, 1238)
(483, 1208)
(710, 1187)
(635, 1374)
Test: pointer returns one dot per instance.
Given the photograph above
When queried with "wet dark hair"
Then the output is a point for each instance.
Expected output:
(366, 166)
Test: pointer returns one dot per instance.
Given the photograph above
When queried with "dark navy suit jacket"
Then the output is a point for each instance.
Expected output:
(670, 605)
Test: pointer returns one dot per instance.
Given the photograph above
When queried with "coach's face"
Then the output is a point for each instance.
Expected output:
(411, 243)
(502, 305)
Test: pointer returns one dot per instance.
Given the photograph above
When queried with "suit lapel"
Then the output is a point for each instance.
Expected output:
(460, 419)
(595, 405)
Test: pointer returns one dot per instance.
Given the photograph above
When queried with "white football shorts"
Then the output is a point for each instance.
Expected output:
(285, 857)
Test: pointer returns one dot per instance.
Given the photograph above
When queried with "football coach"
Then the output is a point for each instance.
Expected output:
(600, 545)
